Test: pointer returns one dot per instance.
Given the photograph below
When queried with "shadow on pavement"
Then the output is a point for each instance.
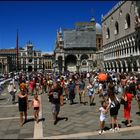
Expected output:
(2, 98)
(138, 113)
(125, 122)
(42, 119)
(29, 120)
(61, 118)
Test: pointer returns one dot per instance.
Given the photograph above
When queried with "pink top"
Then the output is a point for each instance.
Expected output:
(36, 103)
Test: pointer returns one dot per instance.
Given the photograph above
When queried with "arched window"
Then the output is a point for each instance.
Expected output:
(127, 21)
(107, 33)
(120, 12)
(84, 63)
(116, 28)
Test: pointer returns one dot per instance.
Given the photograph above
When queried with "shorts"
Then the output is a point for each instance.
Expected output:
(90, 93)
(82, 93)
(102, 119)
(55, 108)
(113, 112)
(36, 108)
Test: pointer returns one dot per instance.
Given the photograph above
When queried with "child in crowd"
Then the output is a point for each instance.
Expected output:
(103, 113)
(36, 105)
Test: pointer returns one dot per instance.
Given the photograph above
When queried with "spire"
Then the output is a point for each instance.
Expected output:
(60, 31)
(17, 50)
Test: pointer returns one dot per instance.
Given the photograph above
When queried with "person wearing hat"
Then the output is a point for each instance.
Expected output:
(12, 90)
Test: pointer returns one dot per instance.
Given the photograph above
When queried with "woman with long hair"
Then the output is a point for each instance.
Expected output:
(113, 106)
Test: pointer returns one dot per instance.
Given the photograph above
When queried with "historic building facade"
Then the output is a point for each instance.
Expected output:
(75, 49)
(7, 60)
(121, 37)
(48, 59)
(30, 59)
(4, 65)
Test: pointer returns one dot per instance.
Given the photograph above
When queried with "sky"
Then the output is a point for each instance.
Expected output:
(38, 21)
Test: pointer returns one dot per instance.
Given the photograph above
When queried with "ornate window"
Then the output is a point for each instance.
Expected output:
(111, 19)
(127, 21)
(107, 33)
(116, 28)
(120, 12)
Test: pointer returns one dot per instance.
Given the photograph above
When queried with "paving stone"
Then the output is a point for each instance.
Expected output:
(25, 135)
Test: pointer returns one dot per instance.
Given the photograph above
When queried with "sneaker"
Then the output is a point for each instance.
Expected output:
(129, 125)
(117, 129)
(100, 132)
(113, 130)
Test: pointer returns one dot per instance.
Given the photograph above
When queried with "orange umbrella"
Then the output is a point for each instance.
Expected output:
(102, 77)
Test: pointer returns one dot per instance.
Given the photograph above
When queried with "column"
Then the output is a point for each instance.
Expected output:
(132, 66)
(126, 66)
(138, 64)
(63, 65)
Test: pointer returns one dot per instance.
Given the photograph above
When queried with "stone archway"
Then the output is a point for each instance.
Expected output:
(123, 65)
(135, 65)
(30, 68)
(119, 66)
(115, 66)
(129, 64)
(111, 66)
(71, 63)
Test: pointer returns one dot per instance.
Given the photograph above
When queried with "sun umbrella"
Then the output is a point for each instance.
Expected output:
(102, 77)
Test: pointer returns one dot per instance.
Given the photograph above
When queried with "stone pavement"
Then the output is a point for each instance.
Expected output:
(82, 123)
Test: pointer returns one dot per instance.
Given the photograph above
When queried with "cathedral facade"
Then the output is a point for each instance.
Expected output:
(75, 49)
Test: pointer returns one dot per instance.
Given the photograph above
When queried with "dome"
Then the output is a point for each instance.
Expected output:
(92, 19)
(98, 28)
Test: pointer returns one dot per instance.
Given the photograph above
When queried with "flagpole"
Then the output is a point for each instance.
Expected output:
(17, 51)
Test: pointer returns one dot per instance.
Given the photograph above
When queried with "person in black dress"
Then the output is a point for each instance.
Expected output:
(23, 104)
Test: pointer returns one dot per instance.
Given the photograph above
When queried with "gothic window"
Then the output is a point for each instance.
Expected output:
(116, 28)
(127, 21)
(111, 19)
(120, 12)
(107, 33)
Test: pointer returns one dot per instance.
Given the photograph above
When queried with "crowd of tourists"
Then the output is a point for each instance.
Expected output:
(115, 90)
